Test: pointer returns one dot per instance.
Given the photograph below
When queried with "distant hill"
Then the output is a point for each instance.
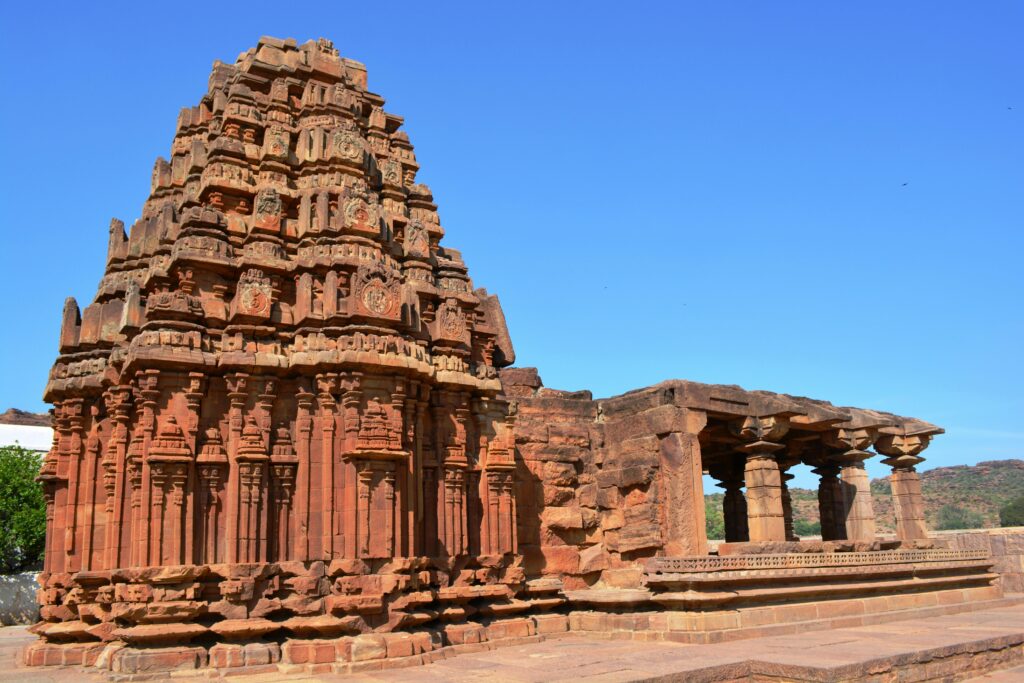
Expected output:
(979, 490)
(13, 416)
(983, 489)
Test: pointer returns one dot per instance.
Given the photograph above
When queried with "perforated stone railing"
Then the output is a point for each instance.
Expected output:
(679, 565)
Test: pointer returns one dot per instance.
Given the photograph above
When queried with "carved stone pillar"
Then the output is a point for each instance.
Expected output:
(348, 539)
(75, 425)
(860, 513)
(48, 479)
(450, 439)
(91, 473)
(180, 550)
(499, 513)
(283, 462)
(147, 383)
(212, 466)
(454, 509)
(48, 496)
(831, 510)
(681, 486)
(169, 460)
(133, 474)
(908, 503)
(252, 462)
(849, 453)
(114, 473)
(388, 492)
(157, 490)
(423, 494)
(265, 402)
(765, 517)
(304, 428)
(734, 504)
(238, 393)
(193, 400)
(787, 504)
(331, 547)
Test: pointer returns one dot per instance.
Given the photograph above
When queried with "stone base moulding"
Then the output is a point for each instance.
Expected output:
(377, 651)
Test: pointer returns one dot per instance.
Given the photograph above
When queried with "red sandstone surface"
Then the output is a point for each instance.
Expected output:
(286, 433)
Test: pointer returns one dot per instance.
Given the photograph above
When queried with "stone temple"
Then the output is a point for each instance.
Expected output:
(287, 435)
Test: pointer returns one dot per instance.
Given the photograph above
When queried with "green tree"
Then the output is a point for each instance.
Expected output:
(715, 520)
(953, 517)
(805, 527)
(22, 510)
(1012, 514)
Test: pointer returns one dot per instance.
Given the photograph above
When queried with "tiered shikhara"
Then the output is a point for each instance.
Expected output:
(282, 365)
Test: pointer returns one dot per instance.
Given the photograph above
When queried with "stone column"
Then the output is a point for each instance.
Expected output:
(251, 541)
(283, 466)
(765, 516)
(860, 513)
(831, 511)
(787, 504)
(734, 504)
(681, 486)
(327, 387)
(907, 500)
(848, 444)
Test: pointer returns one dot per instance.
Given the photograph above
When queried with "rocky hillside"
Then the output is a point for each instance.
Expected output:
(978, 491)
(13, 416)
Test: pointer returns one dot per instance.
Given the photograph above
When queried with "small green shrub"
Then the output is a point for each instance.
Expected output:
(953, 517)
(805, 527)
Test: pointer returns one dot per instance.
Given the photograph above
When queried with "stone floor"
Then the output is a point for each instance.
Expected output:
(938, 648)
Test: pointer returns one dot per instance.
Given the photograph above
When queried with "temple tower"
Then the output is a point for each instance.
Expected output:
(282, 361)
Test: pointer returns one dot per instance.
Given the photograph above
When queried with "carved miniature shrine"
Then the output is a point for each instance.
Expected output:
(284, 438)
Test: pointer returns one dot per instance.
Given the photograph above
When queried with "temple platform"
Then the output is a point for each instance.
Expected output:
(985, 644)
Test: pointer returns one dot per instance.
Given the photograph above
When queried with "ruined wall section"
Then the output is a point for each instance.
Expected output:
(604, 484)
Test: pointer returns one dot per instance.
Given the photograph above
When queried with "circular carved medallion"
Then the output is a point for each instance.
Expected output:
(254, 301)
(376, 299)
(347, 145)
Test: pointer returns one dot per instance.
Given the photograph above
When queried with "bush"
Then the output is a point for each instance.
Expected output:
(1012, 514)
(953, 517)
(22, 511)
(805, 527)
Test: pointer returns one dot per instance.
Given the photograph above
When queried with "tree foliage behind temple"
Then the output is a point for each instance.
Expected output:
(1012, 514)
(22, 511)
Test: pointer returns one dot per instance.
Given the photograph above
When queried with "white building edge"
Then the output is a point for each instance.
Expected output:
(26, 436)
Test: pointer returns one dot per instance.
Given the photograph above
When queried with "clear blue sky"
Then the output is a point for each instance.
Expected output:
(814, 198)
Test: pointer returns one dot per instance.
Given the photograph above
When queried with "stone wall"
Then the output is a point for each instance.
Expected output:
(603, 484)
(1005, 545)
(556, 491)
